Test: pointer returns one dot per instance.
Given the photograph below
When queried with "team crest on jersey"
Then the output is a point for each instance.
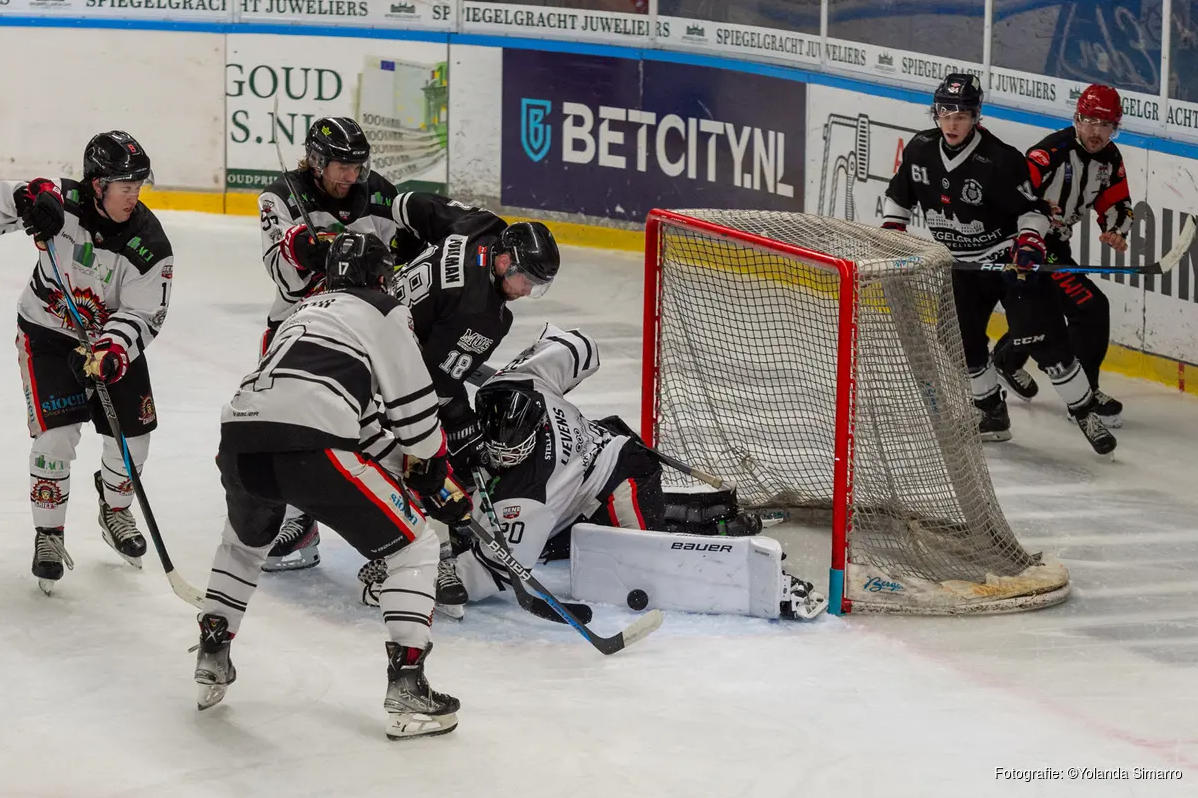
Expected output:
(145, 411)
(474, 342)
(1104, 173)
(168, 271)
(46, 494)
(158, 318)
(944, 184)
(91, 307)
(1040, 157)
(511, 512)
(971, 192)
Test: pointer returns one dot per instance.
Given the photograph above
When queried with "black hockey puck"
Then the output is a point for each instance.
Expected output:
(638, 599)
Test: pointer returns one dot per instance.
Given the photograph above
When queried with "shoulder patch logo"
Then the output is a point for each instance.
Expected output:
(1040, 157)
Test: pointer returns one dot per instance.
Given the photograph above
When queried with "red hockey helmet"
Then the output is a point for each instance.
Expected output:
(1100, 102)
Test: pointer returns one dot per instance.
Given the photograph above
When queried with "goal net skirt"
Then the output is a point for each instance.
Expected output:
(817, 364)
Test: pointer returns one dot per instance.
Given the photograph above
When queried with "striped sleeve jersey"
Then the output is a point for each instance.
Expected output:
(343, 372)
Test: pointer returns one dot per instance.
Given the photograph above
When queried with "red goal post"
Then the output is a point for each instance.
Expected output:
(816, 363)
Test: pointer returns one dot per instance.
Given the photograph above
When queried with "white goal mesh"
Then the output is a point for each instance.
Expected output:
(817, 364)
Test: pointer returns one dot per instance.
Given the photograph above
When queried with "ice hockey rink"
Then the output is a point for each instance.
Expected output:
(98, 697)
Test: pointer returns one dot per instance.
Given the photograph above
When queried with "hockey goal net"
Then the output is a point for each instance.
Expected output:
(817, 364)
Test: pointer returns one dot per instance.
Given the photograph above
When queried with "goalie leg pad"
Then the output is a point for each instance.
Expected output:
(691, 573)
(708, 512)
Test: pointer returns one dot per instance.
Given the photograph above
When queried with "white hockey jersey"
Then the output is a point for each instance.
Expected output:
(343, 372)
(572, 462)
(119, 275)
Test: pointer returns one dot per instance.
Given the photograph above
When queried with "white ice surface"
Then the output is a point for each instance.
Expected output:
(97, 697)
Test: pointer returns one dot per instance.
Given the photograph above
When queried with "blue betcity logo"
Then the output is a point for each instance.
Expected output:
(536, 136)
(52, 405)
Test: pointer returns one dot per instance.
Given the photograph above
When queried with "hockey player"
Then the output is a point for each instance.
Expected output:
(323, 424)
(339, 192)
(458, 291)
(978, 201)
(553, 467)
(1073, 170)
(117, 263)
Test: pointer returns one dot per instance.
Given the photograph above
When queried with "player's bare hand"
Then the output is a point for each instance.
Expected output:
(1114, 240)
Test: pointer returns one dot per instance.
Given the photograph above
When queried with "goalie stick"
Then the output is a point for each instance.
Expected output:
(640, 628)
(537, 606)
(1165, 265)
(179, 585)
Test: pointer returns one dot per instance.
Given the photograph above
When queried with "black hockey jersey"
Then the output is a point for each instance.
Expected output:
(459, 311)
(120, 275)
(975, 201)
(1072, 180)
(343, 372)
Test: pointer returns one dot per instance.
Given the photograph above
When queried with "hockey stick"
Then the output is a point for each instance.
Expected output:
(296, 195)
(1165, 265)
(537, 606)
(640, 628)
(689, 470)
(178, 584)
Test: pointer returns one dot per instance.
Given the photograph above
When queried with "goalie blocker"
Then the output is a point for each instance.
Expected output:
(691, 573)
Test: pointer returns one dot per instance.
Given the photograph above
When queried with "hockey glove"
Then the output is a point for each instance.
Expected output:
(1029, 254)
(39, 204)
(464, 437)
(439, 493)
(902, 228)
(106, 362)
(306, 252)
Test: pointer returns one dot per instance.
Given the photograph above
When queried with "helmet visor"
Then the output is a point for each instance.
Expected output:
(520, 282)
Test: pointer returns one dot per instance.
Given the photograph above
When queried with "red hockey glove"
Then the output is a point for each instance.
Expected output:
(39, 204)
(305, 252)
(106, 362)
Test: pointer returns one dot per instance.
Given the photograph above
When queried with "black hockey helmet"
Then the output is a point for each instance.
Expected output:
(510, 414)
(958, 92)
(337, 138)
(115, 156)
(357, 260)
(534, 254)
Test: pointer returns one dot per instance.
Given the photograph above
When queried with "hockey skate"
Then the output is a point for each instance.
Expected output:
(414, 709)
(1092, 426)
(214, 669)
(451, 593)
(1018, 381)
(49, 556)
(800, 599)
(296, 547)
(120, 531)
(1109, 409)
(995, 424)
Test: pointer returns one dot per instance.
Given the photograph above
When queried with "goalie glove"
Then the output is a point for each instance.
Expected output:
(439, 493)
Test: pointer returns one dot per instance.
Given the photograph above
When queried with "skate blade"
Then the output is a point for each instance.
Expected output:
(276, 565)
(455, 611)
(403, 726)
(996, 437)
(813, 607)
(1112, 422)
(209, 695)
(134, 561)
(47, 585)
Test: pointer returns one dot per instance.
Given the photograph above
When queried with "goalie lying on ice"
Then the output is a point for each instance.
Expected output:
(553, 468)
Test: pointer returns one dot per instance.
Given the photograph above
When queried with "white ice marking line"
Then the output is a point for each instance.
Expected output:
(1153, 616)
(1113, 538)
(1070, 489)
(1096, 511)
(1142, 589)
